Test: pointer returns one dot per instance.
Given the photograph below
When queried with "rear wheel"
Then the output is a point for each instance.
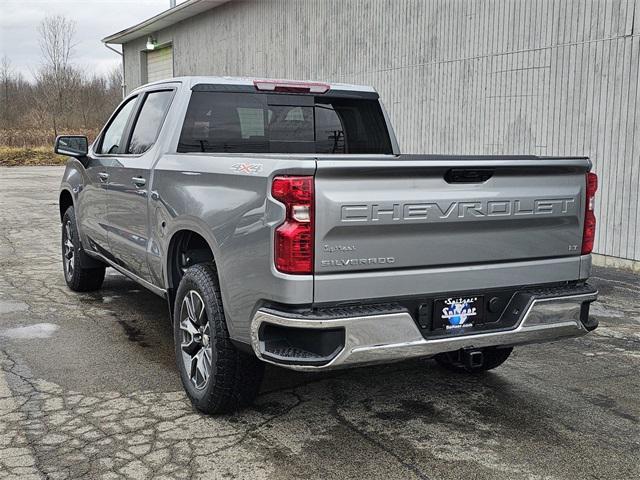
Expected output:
(217, 377)
(82, 273)
(474, 361)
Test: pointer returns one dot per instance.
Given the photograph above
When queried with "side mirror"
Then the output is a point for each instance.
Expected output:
(72, 145)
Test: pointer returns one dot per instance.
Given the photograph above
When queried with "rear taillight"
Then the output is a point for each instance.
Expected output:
(589, 235)
(294, 238)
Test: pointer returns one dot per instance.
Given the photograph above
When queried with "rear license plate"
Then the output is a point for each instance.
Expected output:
(456, 313)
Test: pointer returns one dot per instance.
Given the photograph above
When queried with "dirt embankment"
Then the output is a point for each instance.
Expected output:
(31, 147)
(20, 156)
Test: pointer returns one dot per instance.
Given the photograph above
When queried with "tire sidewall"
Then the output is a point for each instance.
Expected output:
(88, 274)
(191, 282)
(69, 216)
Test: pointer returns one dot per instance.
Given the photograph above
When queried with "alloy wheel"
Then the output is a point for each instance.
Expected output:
(68, 250)
(196, 339)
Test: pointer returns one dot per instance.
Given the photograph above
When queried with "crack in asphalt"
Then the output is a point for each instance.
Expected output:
(71, 433)
(339, 398)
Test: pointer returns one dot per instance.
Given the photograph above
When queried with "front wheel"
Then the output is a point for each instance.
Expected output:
(80, 271)
(217, 377)
(474, 362)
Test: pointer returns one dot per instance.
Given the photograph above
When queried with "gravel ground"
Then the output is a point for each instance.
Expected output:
(88, 389)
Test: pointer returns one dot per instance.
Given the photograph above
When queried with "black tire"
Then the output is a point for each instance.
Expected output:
(81, 272)
(455, 361)
(234, 377)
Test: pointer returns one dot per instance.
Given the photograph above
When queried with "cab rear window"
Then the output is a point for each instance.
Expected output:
(235, 122)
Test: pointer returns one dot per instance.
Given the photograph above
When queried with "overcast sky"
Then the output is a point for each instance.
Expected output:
(95, 20)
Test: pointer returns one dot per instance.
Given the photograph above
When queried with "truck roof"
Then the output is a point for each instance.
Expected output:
(190, 81)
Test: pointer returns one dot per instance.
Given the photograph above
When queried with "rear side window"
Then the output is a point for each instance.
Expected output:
(149, 121)
(262, 123)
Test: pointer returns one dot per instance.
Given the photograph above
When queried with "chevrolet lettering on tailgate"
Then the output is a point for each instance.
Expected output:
(433, 211)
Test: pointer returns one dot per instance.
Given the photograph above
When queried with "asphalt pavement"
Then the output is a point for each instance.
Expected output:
(88, 389)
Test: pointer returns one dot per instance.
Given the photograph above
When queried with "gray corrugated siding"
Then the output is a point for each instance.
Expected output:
(547, 77)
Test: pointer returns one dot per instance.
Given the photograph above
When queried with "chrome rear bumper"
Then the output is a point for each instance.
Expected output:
(389, 337)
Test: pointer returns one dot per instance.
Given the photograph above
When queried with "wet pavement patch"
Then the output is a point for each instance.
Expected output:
(133, 333)
(29, 332)
(10, 306)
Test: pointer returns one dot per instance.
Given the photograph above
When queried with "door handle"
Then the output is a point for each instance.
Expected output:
(103, 176)
(138, 181)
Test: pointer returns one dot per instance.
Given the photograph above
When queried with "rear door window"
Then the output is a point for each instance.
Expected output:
(261, 123)
(149, 121)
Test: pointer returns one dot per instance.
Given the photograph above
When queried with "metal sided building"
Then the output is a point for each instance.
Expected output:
(542, 77)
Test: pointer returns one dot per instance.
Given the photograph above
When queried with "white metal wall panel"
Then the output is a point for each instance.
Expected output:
(159, 64)
(544, 77)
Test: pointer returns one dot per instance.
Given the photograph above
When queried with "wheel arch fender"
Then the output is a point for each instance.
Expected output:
(73, 182)
(179, 226)
(65, 200)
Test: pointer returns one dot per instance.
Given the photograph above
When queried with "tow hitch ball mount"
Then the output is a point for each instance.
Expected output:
(468, 357)
(472, 358)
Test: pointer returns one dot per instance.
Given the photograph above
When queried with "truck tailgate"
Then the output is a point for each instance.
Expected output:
(396, 213)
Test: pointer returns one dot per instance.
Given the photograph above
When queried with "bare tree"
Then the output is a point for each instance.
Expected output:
(63, 95)
(13, 89)
(5, 79)
(115, 81)
(57, 41)
(57, 78)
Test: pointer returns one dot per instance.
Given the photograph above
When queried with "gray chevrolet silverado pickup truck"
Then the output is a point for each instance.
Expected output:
(282, 225)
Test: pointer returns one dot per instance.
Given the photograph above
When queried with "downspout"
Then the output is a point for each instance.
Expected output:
(123, 85)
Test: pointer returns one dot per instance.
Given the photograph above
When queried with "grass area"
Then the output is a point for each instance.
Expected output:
(16, 156)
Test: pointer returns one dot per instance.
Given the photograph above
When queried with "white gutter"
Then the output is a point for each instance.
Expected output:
(163, 20)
